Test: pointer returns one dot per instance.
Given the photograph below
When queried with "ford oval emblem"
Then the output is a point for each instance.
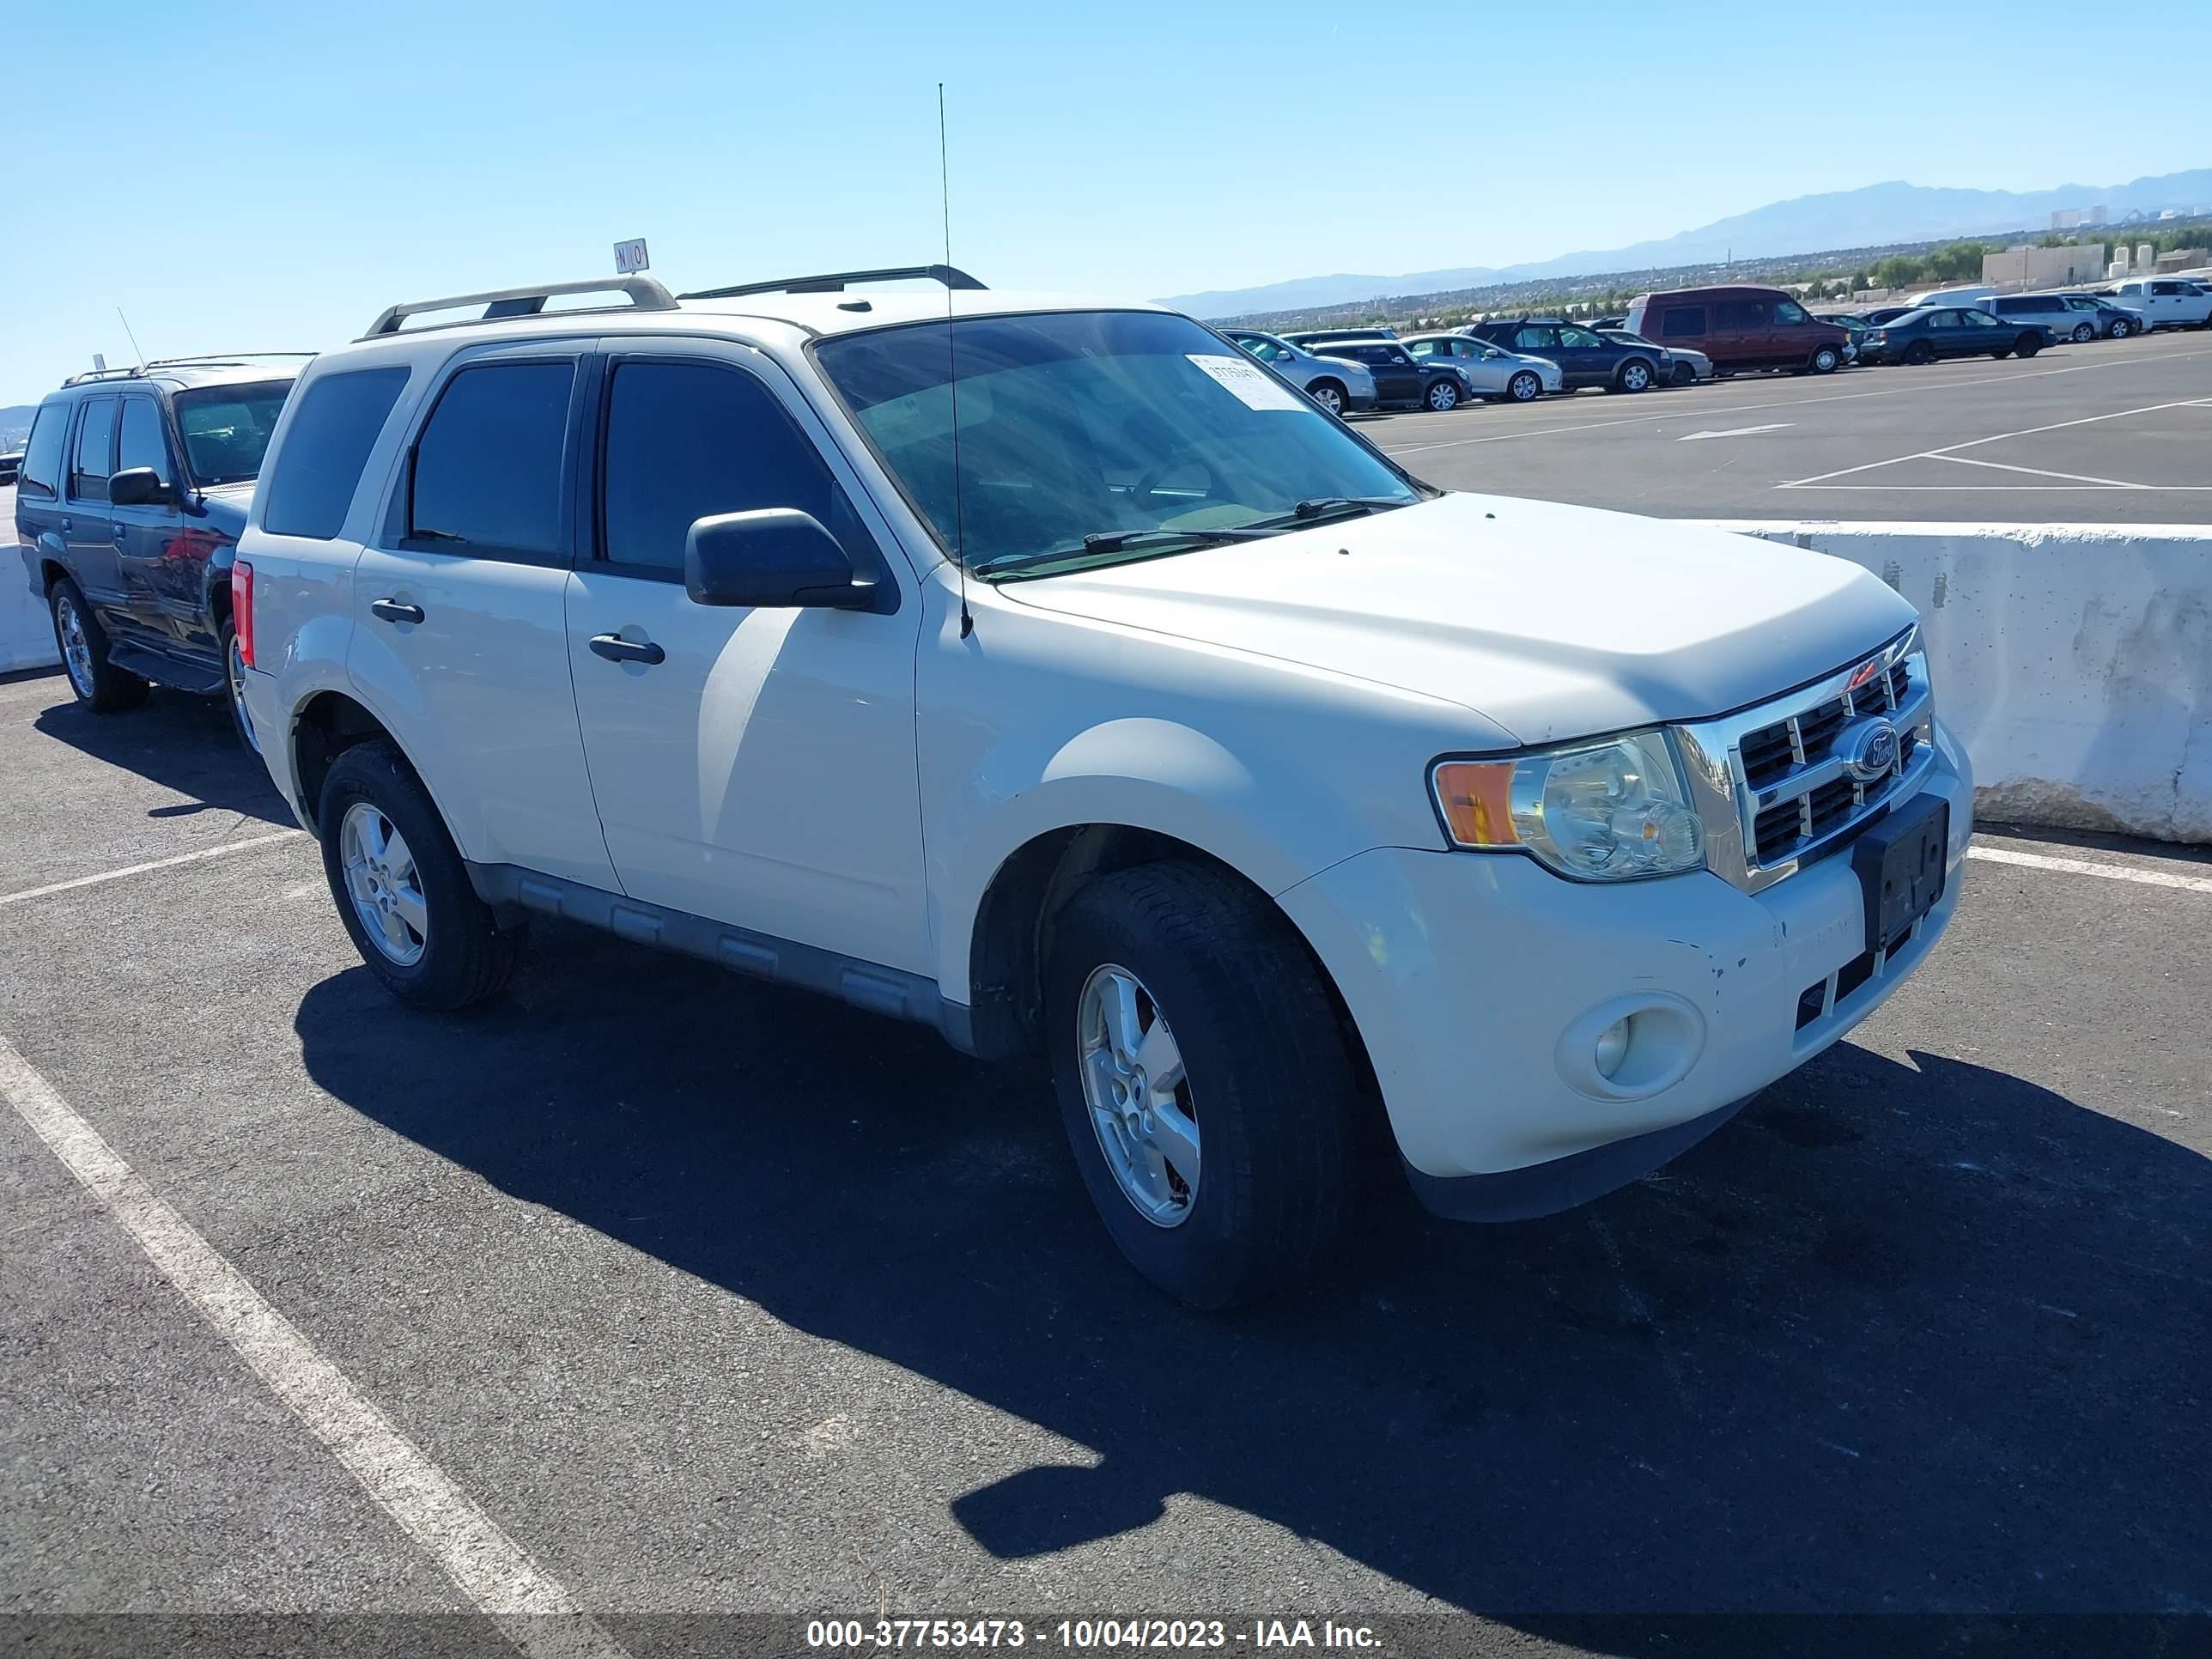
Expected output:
(1869, 749)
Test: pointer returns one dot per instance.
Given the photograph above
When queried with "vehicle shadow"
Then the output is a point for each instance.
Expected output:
(1902, 1337)
(181, 742)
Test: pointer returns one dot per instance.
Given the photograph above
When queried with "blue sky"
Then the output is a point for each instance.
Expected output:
(271, 176)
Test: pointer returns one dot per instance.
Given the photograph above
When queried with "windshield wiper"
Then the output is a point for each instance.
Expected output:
(1332, 507)
(1113, 541)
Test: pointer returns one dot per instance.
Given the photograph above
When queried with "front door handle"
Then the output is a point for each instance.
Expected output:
(118, 530)
(392, 610)
(615, 648)
(67, 525)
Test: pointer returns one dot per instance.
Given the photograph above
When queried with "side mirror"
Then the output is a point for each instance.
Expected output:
(138, 486)
(776, 556)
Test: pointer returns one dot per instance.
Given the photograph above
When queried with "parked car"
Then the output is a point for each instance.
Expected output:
(1339, 386)
(2065, 321)
(1602, 324)
(1740, 328)
(1881, 314)
(10, 463)
(1970, 294)
(2163, 303)
(1675, 367)
(1306, 337)
(133, 491)
(1402, 380)
(1154, 723)
(1585, 357)
(2113, 321)
(1921, 337)
(1491, 371)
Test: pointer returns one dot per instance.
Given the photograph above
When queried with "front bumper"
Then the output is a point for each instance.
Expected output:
(1476, 981)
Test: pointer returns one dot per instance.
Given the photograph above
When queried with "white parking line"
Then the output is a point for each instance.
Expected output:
(223, 851)
(1689, 411)
(2092, 867)
(1943, 451)
(489, 1568)
(2042, 472)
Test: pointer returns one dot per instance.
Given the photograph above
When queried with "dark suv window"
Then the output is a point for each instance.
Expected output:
(95, 451)
(1679, 321)
(141, 443)
(1536, 339)
(687, 441)
(41, 477)
(488, 464)
(319, 466)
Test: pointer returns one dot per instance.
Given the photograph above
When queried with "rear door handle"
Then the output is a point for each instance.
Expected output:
(615, 648)
(118, 532)
(392, 610)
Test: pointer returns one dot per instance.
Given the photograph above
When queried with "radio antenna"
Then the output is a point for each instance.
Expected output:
(952, 372)
(134, 338)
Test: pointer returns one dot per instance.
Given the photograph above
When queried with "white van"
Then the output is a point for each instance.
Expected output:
(1954, 296)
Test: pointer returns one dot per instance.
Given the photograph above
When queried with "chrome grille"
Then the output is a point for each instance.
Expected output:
(1790, 779)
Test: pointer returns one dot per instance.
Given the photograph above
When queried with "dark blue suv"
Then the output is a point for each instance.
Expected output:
(130, 498)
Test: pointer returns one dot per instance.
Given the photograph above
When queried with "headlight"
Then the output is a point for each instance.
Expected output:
(1613, 810)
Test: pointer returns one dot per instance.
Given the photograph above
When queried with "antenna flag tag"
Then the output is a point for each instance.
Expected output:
(630, 257)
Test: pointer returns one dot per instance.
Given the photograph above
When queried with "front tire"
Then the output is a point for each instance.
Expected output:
(1826, 359)
(1206, 1088)
(2120, 330)
(2026, 346)
(1684, 375)
(1525, 387)
(401, 888)
(2083, 333)
(99, 685)
(1329, 395)
(1442, 398)
(1633, 377)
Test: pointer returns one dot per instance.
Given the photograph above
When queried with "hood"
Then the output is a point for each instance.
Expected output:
(227, 506)
(1552, 622)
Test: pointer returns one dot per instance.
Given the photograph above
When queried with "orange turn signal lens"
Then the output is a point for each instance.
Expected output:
(1476, 800)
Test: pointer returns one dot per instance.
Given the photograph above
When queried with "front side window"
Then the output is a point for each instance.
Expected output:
(227, 428)
(95, 451)
(141, 443)
(40, 478)
(689, 441)
(1093, 437)
(1789, 313)
(312, 486)
(486, 476)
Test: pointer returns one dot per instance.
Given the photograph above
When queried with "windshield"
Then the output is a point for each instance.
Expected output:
(227, 427)
(1092, 437)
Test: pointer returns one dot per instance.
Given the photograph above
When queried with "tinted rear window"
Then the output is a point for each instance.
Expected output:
(41, 477)
(332, 433)
(1680, 321)
(488, 464)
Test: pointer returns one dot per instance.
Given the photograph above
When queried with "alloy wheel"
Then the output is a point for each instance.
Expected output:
(76, 645)
(1329, 397)
(384, 883)
(1138, 1099)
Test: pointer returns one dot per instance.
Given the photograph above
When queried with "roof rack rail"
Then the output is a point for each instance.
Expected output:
(221, 357)
(836, 281)
(132, 373)
(502, 304)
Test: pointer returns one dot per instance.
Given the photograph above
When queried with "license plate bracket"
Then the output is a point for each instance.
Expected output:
(1901, 864)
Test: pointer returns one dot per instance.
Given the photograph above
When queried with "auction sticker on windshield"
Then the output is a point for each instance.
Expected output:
(1253, 386)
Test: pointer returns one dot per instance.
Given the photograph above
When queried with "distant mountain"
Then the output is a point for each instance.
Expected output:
(15, 423)
(1873, 214)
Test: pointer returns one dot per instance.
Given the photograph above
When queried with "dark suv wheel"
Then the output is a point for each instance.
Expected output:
(99, 685)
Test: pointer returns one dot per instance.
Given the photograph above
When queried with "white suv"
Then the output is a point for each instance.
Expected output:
(1271, 794)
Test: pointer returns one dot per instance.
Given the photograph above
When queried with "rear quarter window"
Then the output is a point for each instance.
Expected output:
(41, 476)
(319, 467)
(1680, 322)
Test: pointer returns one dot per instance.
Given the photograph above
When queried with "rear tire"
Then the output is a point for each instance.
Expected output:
(1917, 353)
(1264, 1095)
(233, 674)
(99, 685)
(436, 944)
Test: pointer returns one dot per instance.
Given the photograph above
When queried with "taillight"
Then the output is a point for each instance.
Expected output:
(241, 609)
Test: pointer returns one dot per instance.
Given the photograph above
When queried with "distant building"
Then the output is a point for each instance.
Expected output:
(2065, 218)
(2044, 267)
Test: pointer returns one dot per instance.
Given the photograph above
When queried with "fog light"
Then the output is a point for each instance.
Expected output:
(1612, 1047)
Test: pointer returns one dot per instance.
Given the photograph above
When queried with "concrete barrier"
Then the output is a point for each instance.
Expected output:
(2075, 661)
(27, 633)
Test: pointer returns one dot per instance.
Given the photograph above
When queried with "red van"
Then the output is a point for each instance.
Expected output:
(1740, 328)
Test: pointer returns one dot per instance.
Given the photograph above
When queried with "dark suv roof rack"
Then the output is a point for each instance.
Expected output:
(198, 360)
(836, 281)
(504, 304)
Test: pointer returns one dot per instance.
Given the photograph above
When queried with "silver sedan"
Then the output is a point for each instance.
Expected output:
(1494, 372)
(1339, 386)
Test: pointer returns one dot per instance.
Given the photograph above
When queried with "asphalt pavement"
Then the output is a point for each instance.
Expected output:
(716, 1297)
(2116, 431)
